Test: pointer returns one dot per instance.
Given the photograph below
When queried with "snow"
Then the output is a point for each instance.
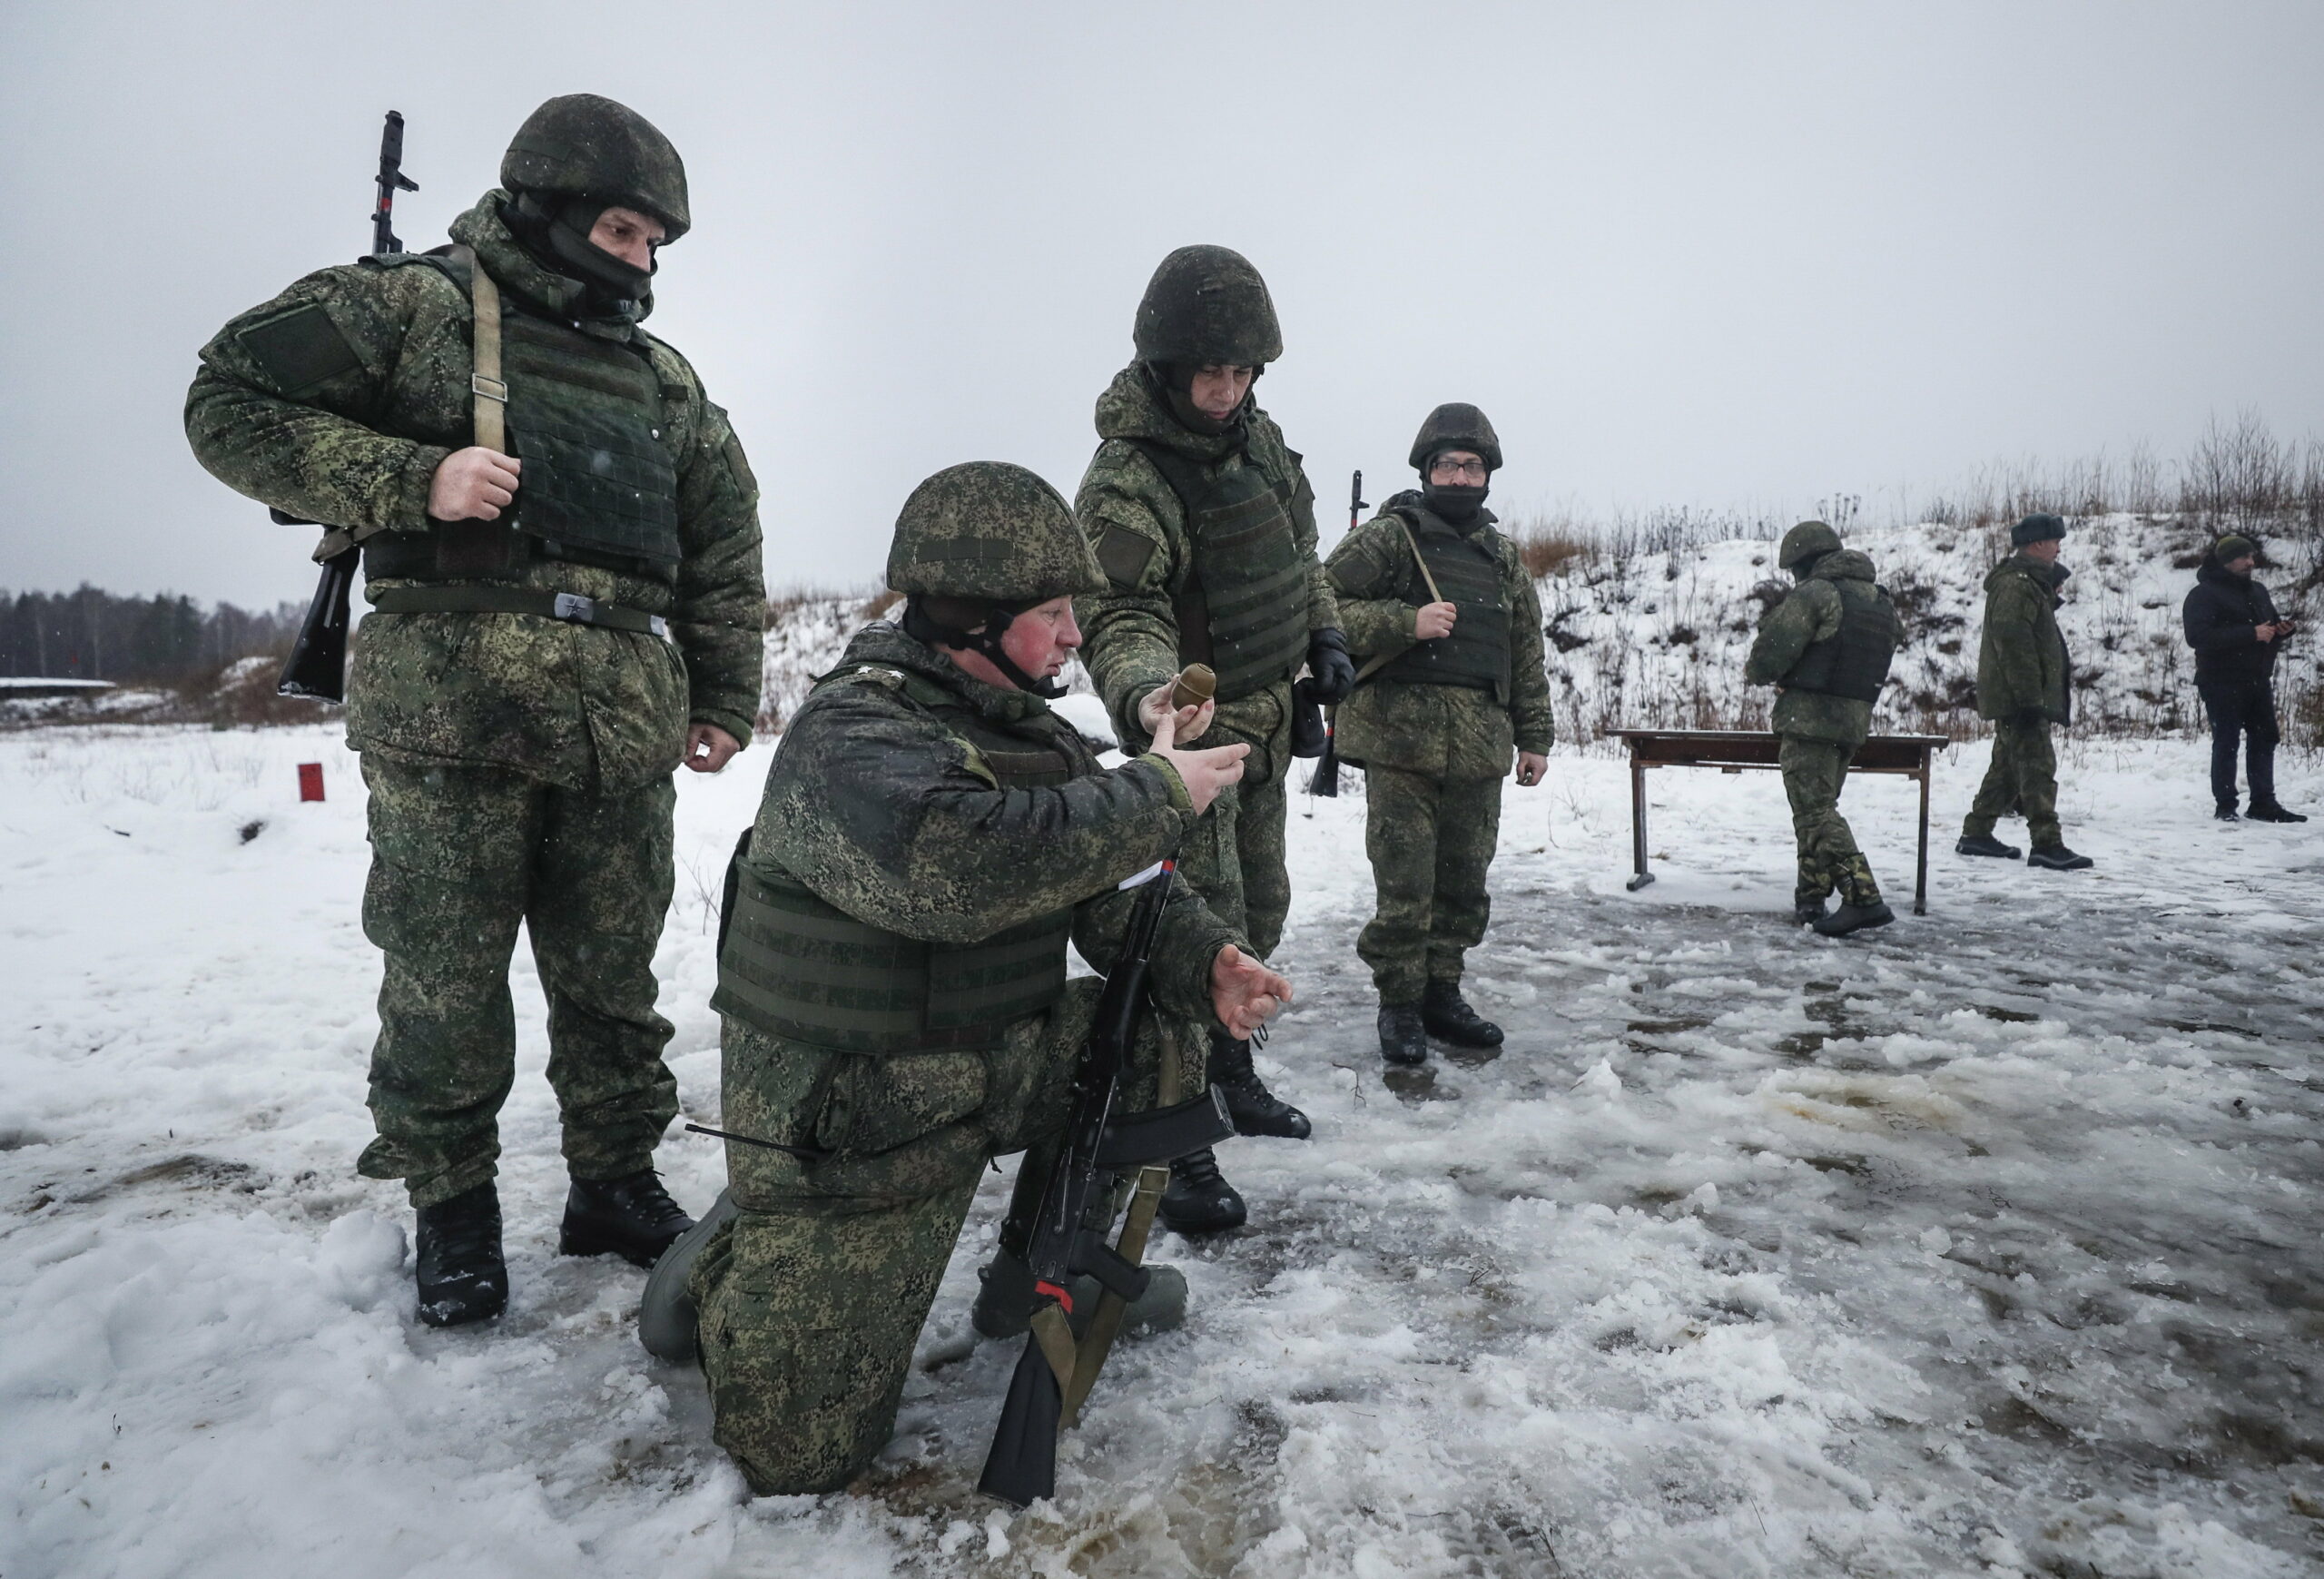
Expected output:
(1985, 1245)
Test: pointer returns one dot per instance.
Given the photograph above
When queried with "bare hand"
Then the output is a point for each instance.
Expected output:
(1192, 723)
(474, 484)
(1433, 620)
(710, 748)
(1243, 993)
(1204, 773)
(1532, 767)
(2266, 632)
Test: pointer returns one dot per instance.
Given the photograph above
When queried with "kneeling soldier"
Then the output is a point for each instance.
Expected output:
(1825, 648)
(1450, 626)
(894, 973)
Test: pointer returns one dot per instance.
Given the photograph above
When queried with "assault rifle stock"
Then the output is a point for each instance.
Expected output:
(317, 667)
(1022, 1463)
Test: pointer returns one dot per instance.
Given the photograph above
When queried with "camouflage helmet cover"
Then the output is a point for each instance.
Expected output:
(586, 146)
(1208, 307)
(1806, 542)
(1456, 424)
(988, 529)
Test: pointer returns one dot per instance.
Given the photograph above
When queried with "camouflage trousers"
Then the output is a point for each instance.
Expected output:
(460, 855)
(812, 1301)
(1431, 842)
(1814, 774)
(2021, 780)
(1235, 857)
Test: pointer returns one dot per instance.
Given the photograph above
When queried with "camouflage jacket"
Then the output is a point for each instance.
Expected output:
(1810, 614)
(1131, 632)
(1446, 731)
(885, 814)
(566, 703)
(2022, 665)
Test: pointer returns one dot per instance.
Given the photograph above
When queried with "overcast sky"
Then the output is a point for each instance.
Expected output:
(1725, 255)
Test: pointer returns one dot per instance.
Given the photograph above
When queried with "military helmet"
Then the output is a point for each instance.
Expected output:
(987, 529)
(585, 146)
(1808, 540)
(1456, 424)
(1208, 307)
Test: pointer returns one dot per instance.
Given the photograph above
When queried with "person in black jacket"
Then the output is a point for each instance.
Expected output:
(2233, 624)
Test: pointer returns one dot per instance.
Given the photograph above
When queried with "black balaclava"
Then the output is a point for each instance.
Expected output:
(1174, 382)
(556, 231)
(1455, 502)
(922, 625)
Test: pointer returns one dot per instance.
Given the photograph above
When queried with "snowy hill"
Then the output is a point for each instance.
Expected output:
(1657, 639)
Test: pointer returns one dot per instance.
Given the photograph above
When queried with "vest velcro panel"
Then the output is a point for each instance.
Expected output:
(584, 416)
(1244, 608)
(1853, 661)
(1468, 573)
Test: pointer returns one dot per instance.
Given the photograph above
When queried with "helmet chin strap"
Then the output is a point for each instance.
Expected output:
(920, 626)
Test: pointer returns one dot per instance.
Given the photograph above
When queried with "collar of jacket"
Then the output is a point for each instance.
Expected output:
(884, 643)
(1413, 505)
(2217, 575)
(520, 274)
(1842, 564)
(1131, 408)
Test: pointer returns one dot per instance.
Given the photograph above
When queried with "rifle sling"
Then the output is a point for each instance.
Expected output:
(1378, 661)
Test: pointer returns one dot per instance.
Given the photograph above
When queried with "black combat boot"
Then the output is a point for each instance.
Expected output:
(1255, 1110)
(1851, 917)
(1446, 1014)
(1985, 844)
(462, 1275)
(1004, 1307)
(2270, 812)
(1403, 1037)
(667, 1322)
(2225, 812)
(1199, 1199)
(632, 1217)
(2058, 858)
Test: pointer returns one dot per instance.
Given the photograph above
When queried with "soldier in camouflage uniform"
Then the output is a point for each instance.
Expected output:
(2024, 685)
(1204, 526)
(894, 973)
(1451, 687)
(1825, 648)
(556, 626)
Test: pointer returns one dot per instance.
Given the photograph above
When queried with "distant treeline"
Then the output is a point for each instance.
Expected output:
(93, 634)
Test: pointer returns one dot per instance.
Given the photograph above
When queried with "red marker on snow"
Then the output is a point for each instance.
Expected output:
(310, 781)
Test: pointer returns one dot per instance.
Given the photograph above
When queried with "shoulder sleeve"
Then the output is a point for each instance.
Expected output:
(1136, 528)
(720, 611)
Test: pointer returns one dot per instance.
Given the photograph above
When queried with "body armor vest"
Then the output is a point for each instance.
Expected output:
(600, 483)
(1243, 608)
(1468, 573)
(793, 966)
(1853, 661)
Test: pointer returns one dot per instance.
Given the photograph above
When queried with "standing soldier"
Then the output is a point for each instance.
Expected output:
(1205, 526)
(2024, 685)
(1449, 626)
(893, 975)
(1825, 648)
(560, 621)
(2233, 627)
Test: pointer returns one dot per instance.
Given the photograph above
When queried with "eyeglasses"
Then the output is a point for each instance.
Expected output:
(1474, 470)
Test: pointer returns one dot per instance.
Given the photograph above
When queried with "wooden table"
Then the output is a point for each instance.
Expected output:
(1733, 750)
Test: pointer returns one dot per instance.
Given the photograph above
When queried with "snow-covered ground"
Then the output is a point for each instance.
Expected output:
(1985, 1245)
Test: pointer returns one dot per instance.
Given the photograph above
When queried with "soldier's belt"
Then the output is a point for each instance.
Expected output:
(566, 606)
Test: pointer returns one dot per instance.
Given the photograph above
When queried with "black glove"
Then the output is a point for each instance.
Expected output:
(1332, 670)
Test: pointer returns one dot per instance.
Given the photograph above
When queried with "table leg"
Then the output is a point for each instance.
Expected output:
(1920, 871)
(1640, 876)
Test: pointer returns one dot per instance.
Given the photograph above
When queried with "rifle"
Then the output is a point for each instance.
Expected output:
(1022, 1463)
(317, 667)
(1326, 780)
